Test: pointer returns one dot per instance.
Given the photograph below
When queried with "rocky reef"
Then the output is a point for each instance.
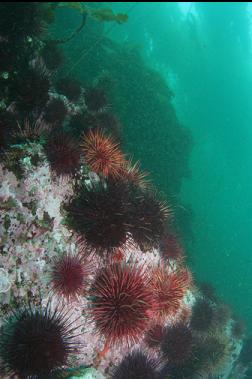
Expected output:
(93, 276)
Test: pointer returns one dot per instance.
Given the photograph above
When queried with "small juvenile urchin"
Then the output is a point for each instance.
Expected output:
(36, 341)
(70, 275)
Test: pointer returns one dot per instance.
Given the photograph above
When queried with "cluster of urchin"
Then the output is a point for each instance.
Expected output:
(117, 210)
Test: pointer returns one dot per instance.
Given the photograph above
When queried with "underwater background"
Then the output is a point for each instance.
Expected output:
(164, 90)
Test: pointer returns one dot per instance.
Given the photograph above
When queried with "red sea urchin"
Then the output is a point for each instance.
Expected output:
(169, 287)
(102, 154)
(70, 276)
(121, 302)
(36, 341)
(63, 154)
(154, 336)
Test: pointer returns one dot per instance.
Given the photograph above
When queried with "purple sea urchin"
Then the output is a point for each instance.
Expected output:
(36, 341)
(177, 343)
(63, 154)
(105, 121)
(238, 328)
(55, 112)
(8, 57)
(81, 123)
(136, 365)
(208, 291)
(71, 88)
(214, 351)
(202, 315)
(100, 215)
(52, 55)
(18, 22)
(8, 125)
(246, 352)
(31, 89)
(30, 131)
(188, 369)
(148, 218)
(95, 99)
(109, 123)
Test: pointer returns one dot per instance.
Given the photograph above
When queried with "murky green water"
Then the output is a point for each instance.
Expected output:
(172, 83)
(203, 51)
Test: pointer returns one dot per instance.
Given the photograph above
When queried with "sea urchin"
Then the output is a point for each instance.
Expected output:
(102, 154)
(36, 341)
(121, 301)
(169, 287)
(136, 365)
(148, 218)
(202, 315)
(95, 100)
(63, 154)
(154, 336)
(71, 88)
(100, 215)
(170, 247)
(177, 343)
(69, 275)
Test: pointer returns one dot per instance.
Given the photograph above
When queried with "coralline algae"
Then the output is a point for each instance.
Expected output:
(32, 234)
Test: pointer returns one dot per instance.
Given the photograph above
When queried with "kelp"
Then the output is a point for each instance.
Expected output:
(109, 15)
(102, 15)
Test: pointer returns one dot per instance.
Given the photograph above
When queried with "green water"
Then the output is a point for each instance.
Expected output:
(203, 51)
(125, 165)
